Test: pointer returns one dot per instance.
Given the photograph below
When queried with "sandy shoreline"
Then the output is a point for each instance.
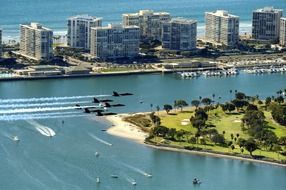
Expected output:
(124, 129)
(127, 130)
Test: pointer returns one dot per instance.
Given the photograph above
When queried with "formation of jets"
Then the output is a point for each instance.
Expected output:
(102, 105)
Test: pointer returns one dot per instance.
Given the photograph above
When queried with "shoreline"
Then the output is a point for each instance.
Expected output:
(129, 131)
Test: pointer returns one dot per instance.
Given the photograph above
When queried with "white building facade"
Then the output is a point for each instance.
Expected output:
(282, 38)
(115, 41)
(266, 24)
(179, 34)
(149, 22)
(36, 42)
(222, 28)
(79, 28)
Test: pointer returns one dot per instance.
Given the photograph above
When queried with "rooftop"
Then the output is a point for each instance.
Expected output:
(268, 10)
(36, 26)
(180, 20)
(84, 17)
(222, 13)
(146, 12)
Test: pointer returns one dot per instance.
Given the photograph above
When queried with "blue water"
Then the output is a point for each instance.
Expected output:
(54, 13)
(67, 161)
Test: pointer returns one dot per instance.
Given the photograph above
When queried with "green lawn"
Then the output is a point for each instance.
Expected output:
(228, 122)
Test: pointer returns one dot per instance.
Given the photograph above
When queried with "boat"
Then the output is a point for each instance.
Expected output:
(96, 154)
(148, 175)
(97, 180)
(103, 130)
(114, 176)
(134, 182)
(196, 181)
(16, 139)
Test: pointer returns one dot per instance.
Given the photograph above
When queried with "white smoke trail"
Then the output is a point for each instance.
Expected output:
(100, 140)
(41, 104)
(42, 109)
(49, 98)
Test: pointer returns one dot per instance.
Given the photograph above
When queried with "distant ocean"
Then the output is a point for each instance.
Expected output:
(54, 13)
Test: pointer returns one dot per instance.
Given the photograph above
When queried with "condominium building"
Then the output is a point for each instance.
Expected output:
(179, 34)
(149, 22)
(114, 41)
(282, 38)
(266, 23)
(36, 42)
(222, 28)
(79, 30)
(1, 42)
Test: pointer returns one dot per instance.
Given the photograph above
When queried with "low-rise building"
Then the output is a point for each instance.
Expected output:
(179, 34)
(114, 41)
(36, 42)
(149, 22)
(282, 39)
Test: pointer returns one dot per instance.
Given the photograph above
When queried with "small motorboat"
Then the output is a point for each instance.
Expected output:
(97, 180)
(103, 129)
(134, 182)
(96, 154)
(196, 181)
(16, 139)
(114, 176)
(148, 175)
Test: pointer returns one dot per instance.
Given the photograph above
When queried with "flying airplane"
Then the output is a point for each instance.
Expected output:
(97, 101)
(116, 94)
(107, 105)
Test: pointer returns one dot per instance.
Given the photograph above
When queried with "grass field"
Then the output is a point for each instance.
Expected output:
(229, 123)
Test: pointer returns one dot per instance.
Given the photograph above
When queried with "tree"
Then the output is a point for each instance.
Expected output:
(279, 114)
(195, 103)
(279, 99)
(250, 145)
(218, 139)
(251, 107)
(228, 107)
(254, 120)
(241, 142)
(155, 119)
(160, 131)
(240, 95)
(206, 101)
(180, 104)
(167, 108)
(232, 147)
(282, 140)
(239, 103)
(267, 101)
(171, 134)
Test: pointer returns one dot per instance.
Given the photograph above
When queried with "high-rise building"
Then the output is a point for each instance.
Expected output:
(149, 22)
(266, 24)
(79, 30)
(36, 42)
(1, 42)
(179, 34)
(222, 28)
(114, 41)
(282, 38)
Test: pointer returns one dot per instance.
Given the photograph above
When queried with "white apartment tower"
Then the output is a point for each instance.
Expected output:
(282, 38)
(179, 34)
(1, 42)
(266, 24)
(114, 41)
(79, 30)
(149, 22)
(222, 28)
(36, 42)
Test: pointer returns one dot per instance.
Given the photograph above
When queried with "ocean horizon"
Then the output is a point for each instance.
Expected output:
(54, 14)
